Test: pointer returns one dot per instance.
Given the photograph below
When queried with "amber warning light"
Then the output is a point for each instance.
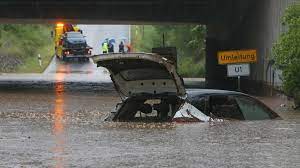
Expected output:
(59, 24)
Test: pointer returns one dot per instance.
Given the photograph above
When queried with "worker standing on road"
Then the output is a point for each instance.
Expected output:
(121, 47)
(77, 29)
(105, 48)
(110, 48)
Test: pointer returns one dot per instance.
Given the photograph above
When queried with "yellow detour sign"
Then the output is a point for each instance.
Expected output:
(237, 56)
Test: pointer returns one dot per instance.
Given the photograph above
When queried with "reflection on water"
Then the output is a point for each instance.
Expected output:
(58, 125)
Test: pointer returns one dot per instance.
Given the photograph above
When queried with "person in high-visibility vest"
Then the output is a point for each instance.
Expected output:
(77, 29)
(105, 48)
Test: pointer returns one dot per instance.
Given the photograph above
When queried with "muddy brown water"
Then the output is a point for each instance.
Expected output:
(59, 128)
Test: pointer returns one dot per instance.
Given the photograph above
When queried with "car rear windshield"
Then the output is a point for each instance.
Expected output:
(74, 35)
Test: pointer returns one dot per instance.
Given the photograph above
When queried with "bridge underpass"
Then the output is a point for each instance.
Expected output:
(65, 128)
(232, 25)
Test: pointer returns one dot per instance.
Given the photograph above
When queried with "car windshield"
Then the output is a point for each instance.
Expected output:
(253, 110)
(74, 35)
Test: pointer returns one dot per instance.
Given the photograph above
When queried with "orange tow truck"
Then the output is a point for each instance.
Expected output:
(70, 43)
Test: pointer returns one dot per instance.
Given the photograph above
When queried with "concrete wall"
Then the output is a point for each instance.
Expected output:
(261, 29)
(257, 28)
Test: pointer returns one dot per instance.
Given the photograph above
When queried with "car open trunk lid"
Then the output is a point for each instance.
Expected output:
(136, 74)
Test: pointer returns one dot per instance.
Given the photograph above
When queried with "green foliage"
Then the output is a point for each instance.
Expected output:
(24, 41)
(31, 64)
(144, 38)
(287, 51)
(187, 67)
(292, 15)
(188, 39)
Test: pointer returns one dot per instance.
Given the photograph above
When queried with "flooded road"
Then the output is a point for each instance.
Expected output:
(60, 128)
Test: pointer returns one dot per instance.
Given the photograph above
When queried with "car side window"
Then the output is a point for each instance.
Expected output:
(199, 103)
(251, 109)
(223, 106)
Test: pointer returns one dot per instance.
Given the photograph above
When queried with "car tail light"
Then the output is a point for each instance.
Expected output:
(67, 52)
(89, 51)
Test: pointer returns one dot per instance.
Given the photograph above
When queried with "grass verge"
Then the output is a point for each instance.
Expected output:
(31, 64)
(20, 45)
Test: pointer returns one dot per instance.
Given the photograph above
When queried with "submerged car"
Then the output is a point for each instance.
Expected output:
(151, 90)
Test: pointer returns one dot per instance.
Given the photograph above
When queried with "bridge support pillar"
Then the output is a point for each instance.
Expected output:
(216, 75)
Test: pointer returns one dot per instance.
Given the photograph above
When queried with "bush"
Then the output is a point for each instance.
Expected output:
(287, 52)
(187, 67)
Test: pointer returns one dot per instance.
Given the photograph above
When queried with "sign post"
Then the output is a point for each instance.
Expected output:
(237, 62)
(238, 70)
(239, 83)
(40, 59)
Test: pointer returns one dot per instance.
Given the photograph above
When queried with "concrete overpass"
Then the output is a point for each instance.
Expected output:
(232, 24)
(128, 11)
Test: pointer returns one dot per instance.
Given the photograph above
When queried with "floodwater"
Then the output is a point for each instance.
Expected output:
(65, 128)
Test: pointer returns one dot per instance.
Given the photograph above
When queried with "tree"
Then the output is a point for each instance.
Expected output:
(189, 41)
(287, 52)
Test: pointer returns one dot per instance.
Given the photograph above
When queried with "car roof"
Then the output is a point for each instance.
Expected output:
(194, 92)
(73, 32)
